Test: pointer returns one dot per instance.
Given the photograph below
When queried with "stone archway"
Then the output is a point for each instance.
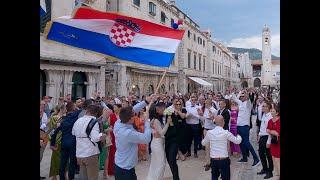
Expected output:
(43, 80)
(136, 90)
(257, 82)
(79, 88)
(244, 84)
(150, 89)
(162, 89)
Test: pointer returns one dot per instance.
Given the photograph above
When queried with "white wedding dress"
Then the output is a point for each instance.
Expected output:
(158, 157)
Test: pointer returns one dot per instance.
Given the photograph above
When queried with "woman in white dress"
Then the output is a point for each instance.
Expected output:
(158, 158)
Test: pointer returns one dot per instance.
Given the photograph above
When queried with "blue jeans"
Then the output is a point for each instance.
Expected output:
(123, 174)
(245, 144)
(220, 167)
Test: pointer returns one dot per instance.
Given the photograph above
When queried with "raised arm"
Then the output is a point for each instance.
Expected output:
(161, 131)
(140, 138)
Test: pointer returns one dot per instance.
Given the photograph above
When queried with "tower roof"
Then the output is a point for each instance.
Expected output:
(265, 28)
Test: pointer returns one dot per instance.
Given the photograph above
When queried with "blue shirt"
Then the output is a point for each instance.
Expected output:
(127, 140)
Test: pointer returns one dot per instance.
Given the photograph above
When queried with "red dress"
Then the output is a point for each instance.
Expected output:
(112, 151)
(275, 148)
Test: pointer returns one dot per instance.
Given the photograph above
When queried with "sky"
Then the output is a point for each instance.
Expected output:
(236, 23)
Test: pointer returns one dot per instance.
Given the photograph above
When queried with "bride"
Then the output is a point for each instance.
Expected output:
(158, 159)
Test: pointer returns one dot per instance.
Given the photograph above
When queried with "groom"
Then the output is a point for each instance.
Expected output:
(171, 148)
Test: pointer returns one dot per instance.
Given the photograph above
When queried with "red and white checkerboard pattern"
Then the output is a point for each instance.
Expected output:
(121, 35)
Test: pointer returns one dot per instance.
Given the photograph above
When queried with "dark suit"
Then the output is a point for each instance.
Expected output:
(226, 116)
(68, 144)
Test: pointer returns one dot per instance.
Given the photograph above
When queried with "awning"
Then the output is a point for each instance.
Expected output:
(200, 81)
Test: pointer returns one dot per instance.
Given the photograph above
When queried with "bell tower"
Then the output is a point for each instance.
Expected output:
(266, 57)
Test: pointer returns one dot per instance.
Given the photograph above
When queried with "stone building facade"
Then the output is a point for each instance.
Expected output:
(197, 56)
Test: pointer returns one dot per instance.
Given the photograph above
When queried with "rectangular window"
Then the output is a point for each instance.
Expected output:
(204, 64)
(195, 61)
(163, 17)
(136, 2)
(204, 44)
(189, 34)
(213, 48)
(189, 59)
(199, 61)
(194, 37)
(213, 66)
(152, 8)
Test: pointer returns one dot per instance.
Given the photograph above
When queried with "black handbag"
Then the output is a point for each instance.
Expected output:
(274, 139)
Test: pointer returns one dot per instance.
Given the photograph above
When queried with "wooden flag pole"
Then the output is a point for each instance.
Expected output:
(157, 89)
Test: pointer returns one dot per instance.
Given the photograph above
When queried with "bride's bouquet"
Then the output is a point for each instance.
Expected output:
(168, 112)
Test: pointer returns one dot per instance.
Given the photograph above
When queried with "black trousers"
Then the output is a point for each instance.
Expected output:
(123, 174)
(264, 154)
(68, 154)
(220, 167)
(195, 137)
(171, 154)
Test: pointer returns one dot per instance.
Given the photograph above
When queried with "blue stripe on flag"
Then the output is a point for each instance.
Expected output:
(101, 43)
(42, 12)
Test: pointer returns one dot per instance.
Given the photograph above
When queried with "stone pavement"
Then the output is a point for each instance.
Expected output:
(190, 169)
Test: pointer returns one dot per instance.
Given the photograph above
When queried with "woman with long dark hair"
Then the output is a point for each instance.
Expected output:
(113, 118)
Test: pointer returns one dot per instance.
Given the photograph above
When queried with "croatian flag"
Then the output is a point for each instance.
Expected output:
(43, 9)
(119, 36)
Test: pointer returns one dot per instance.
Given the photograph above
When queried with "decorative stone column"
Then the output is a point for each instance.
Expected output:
(68, 82)
(182, 84)
(122, 81)
(90, 84)
(102, 83)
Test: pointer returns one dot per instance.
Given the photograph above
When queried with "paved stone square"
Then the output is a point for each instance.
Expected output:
(190, 169)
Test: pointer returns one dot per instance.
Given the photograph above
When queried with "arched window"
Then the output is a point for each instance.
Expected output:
(79, 88)
(43, 80)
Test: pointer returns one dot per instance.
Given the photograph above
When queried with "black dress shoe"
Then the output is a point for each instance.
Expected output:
(262, 172)
(269, 175)
(207, 167)
(42, 177)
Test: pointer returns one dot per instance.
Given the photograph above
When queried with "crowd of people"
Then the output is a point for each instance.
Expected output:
(113, 134)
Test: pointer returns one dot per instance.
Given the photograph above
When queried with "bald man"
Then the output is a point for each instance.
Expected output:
(218, 139)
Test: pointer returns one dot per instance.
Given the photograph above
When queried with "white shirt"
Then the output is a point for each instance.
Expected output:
(44, 122)
(218, 139)
(188, 103)
(216, 103)
(260, 111)
(192, 114)
(208, 123)
(228, 96)
(244, 112)
(85, 147)
(264, 124)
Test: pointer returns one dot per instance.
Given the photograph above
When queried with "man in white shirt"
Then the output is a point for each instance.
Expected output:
(218, 139)
(243, 128)
(87, 150)
(259, 113)
(193, 120)
(264, 152)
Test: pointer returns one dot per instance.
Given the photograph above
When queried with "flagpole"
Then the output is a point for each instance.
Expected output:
(164, 73)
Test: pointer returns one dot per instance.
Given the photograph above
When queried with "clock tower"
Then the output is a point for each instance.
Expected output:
(266, 57)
